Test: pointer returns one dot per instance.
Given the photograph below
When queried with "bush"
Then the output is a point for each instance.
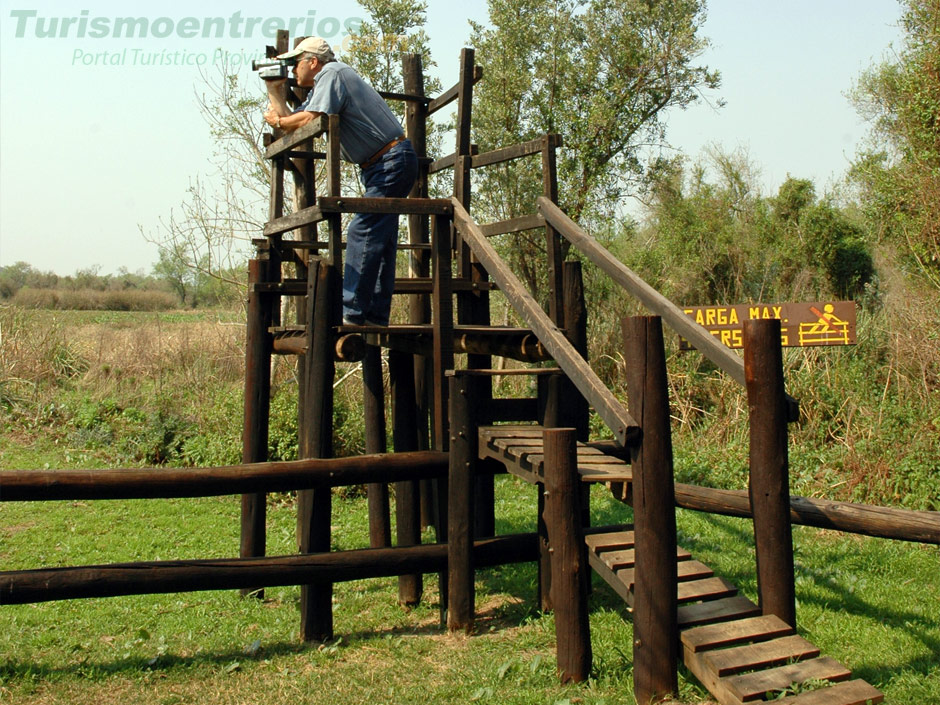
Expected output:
(93, 300)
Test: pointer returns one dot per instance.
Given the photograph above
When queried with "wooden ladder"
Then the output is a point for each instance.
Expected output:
(738, 654)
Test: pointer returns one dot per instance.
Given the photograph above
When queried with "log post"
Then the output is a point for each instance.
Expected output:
(314, 507)
(373, 408)
(463, 452)
(569, 554)
(416, 117)
(769, 485)
(577, 411)
(401, 370)
(258, 347)
(655, 626)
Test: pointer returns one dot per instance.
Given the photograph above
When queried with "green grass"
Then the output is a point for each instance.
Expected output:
(871, 604)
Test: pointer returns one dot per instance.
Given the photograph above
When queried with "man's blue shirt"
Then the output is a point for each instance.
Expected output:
(367, 122)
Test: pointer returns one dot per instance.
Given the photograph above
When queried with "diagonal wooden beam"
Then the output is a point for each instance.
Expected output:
(595, 391)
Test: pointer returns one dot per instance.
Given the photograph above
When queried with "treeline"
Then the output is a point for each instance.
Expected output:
(166, 288)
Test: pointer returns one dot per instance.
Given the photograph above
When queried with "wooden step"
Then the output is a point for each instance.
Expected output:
(857, 692)
(715, 636)
(771, 682)
(725, 662)
(626, 558)
(609, 542)
(728, 608)
(686, 570)
(706, 589)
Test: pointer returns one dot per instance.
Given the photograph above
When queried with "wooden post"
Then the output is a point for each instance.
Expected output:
(442, 360)
(314, 507)
(463, 453)
(416, 116)
(655, 626)
(404, 439)
(549, 401)
(552, 240)
(373, 408)
(769, 485)
(257, 407)
(577, 413)
(569, 554)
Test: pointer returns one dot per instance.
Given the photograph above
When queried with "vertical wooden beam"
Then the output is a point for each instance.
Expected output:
(416, 117)
(544, 565)
(569, 554)
(314, 507)
(442, 360)
(769, 485)
(407, 493)
(258, 347)
(460, 592)
(443, 325)
(655, 627)
(373, 408)
(552, 240)
(577, 412)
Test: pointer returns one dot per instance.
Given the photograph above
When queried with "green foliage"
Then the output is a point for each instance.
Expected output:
(600, 73)
(899, 174)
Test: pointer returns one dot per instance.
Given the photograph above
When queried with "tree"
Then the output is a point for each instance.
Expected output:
(899, 174)
(599, 72)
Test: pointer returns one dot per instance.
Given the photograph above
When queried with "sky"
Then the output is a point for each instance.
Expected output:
(100, 137)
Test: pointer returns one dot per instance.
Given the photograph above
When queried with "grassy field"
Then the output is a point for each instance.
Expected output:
(90, 389)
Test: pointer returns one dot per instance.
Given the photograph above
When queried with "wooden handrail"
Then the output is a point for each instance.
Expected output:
(314, 128)
(150, 483)
(647, 295)
(619, 420)
(450, 95)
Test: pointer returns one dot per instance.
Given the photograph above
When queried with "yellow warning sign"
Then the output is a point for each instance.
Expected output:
(801, 324)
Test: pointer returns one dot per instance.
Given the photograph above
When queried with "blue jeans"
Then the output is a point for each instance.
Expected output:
(372, 239)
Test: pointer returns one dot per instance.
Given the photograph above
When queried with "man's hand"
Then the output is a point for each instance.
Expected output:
(271, 117)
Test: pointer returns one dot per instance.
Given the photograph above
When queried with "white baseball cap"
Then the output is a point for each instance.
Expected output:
(313, 45)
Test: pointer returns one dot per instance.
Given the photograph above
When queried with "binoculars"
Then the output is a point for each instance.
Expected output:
(273, 68)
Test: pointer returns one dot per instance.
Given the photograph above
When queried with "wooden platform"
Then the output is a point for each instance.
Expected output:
(740, 655)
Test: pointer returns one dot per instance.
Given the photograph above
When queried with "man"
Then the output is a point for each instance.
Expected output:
(371, 137)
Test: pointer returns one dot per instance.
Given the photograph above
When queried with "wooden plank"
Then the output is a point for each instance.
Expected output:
(856, 692)
(314, 128)
(599, 475)
(401, 206)
(725, 662)
(759, 684)
(409, 97)
(713, 636)
(737, 607)
(513, 225)
(617, 540)
(523, 149)
(295, 220)
(713, 588)
(450, 95)
(442, 163)
(685, 571)
(625, 558)
(623, 425)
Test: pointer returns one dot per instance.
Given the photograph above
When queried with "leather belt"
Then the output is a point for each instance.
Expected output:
(381, 153)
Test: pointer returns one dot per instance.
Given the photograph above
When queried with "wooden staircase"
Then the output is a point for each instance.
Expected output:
(738, 654)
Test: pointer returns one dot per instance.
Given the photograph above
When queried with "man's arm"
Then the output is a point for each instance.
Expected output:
(279, 114)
